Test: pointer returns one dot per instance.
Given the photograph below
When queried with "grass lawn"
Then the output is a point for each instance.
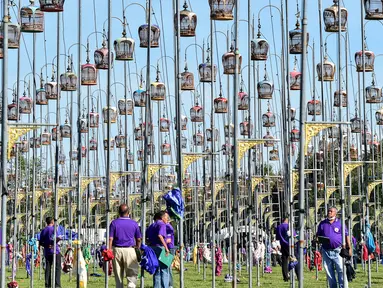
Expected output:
(193, 279)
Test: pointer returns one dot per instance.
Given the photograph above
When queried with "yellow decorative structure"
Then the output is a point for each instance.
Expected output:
(153, 169)
(61, 209)
(348, 167)
(85, 181)
(295, 192)
(134, 197)
(189, 158)
(20, 196)
(354, 223)
(244, 145)
(94, 204)
(39, 192)
(329, 191)
(15, 133)
(255, 181)
(114, 176)
(44, 211)
(61, 191)
(312, 129)
(354, 198)
(296, 178)
(261, 196)
(320, 201)
(218, 186)
(371, 187)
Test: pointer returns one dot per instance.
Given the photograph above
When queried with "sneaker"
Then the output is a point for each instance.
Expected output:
(228, 278)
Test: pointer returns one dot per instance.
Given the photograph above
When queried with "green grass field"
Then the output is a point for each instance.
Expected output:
(193, 279)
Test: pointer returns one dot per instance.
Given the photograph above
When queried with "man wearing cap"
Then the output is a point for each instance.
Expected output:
(124, 237)
(331, 228)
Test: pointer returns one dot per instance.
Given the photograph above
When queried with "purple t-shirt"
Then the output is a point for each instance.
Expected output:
(333, 231)
(124, 232)
(170, 235)
(155, 229)
(281, 234)
(47, 240)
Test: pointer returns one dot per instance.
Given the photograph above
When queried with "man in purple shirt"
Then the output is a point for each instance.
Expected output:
(47, 241)
(283, 235)
(156, 237)
(331, 228)
(170, 243)
(125, 237)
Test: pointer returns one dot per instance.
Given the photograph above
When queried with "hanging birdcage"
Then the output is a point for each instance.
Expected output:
(187, 80)
(73, 154)
(333, 133)
(373, 94)
(120, 141)
(196, 113)
(45, 138)
(166, 149)
(373, 9)
(124, 48)
(296, 38)
(314, 107)
(184, 142)
(265, 89)
(295, 135)
(220, 105)
(274, 154)
(320, 156)
(379, 116)
(164, 124)
(331, 20)
(130, 158)
(310, 150)
(151, 149)
(157, 91)
(66, 130)
(268, 140)
(295, 79)
(13, 35)
(184, 122)
(337, 96)
(328, 70)
(292, 114)
(55, 134)
(245, 128)
(143, 128)
(227, 149)
(83, 124)
(35, 142)
(88, 74)
(112, 111)
(93, 146)
(68, 81)
(188, 22)
(229, 62)
(41, 97)
(94, 119)
(206, 71)
(154, 36)
(356, 124)
(101, 57)
(125, 107)
(243, 101)
(12, 112)
(51, 90)
(229, 130)
(368, 137)
(62, 158)
(353, 152)
(268, 119)
(209, 135)
(138, 134)
(24, 146)
(259, 49)
(52, 5)
(111, 144)
(221, 9)
(369, 59)
(25, 105)
(139, 97)
(32, 18)
(198, 139)
(83, 152)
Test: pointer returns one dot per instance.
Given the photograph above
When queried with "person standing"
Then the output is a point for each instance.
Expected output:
(331, 228)
(283, 236)
(156, 238)
(170, 243)
(125, 237)
(47, 241)
(275, 252)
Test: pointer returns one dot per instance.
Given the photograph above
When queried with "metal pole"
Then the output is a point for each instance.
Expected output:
(108, 98)
(302, 143)
(235, 143)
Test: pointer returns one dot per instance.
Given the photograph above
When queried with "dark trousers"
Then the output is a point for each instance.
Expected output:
(285, 264)
(48, 271)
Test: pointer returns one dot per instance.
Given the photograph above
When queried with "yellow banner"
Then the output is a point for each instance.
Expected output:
(15, 133)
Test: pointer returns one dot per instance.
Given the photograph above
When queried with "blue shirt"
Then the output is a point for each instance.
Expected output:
(47, 240)
(170, 235)
(333, 231)
(155, 229)
(124, 232)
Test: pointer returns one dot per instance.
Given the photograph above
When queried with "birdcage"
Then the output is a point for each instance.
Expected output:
(209, 135)
(196, 114)
(124, 48)
(66, 130)
(268, 140)
(295, 79)
(198, 139)
(369, 59)
(259, 49)
(111, 144)
(379, 116)
(295, 135)
(373, 94)
(41, 97)
(157, 91)
(83, 124)
(229, 130)
(268, 119)
(356, 125)
(220, 105)
(206, 71)
(94, 119)
(12, 112)
(314, 107)
(331, 20)
(109, 113)
(101, 57)
(88, 74)
(32, 19)
(337, 95)
(46, 138)
(221, 9)
(328, 70)
(52, 5)
(188, 22)
(139, 97)
(25, 105)
(373, 9)
(246, 128)
(154, 36)
(187, 80)
(229, 62)
(93, 146)
(68, 81)
(164, 124)
(166, 149)
(120, 141)
(51, 90)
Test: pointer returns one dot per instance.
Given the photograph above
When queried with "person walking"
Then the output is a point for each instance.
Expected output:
(125, 237)
(47, 241)
(283, 235)
(156, 237)
(330, 235)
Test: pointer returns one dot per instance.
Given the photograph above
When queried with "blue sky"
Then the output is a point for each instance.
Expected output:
(94, 17)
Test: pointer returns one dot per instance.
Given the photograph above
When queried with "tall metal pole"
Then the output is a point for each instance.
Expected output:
(144, 188)
(4, 141)
(305, 82)
(179, 133)
(235, 143)
(108, 90)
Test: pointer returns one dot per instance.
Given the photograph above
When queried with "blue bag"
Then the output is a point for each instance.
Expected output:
(149, 260)
(370, 243)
